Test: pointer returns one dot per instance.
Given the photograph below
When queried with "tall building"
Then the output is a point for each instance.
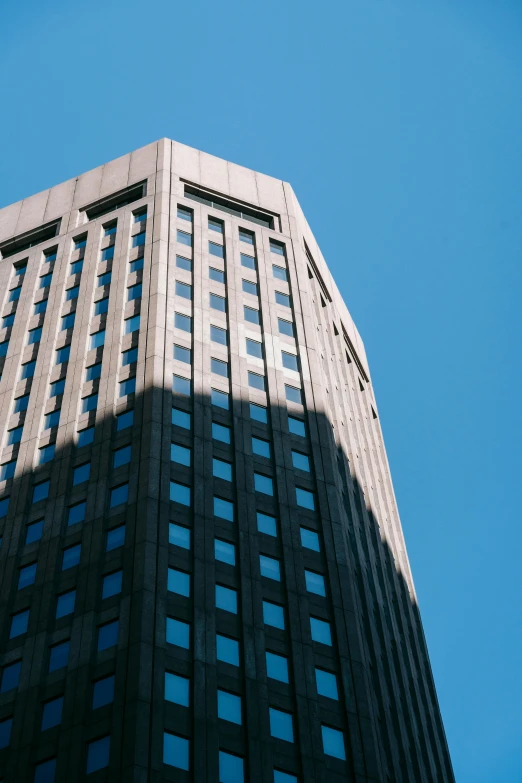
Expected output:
(203, 572)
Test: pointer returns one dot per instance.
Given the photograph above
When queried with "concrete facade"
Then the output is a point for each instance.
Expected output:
(120, 531)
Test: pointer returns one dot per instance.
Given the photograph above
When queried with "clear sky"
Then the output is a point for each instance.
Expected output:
(399, 124)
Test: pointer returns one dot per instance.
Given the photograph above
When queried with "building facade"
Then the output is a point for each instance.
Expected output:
(203, 573)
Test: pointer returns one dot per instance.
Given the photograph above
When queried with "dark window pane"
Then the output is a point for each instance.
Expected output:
(103, 692)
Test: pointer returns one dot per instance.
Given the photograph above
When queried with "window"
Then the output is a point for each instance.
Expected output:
(227, 650)
(179, 493)
(320, 631)
(177, 689)
(310, 539)
(76, 513)
(45, 771)
(20, 268)
(59, 656)
(273, 615)
(19, 623)
(184, 238)
(293, 394)
(41, 307)
(10, 676)
(76, 267)
(33, 532)
(216, 274)
(277, 247)
(226, 599)
(217, 302)
(97, 339)
(215, 225)
(124, 420)
(89, 403)
(223, 509)
(179, 454)
(184, 213)
(248, 261)
(26, 576)
(315, 583)
(131, 324)
(220, 433)
(224, 551)
(181, 418)
(115, 538)
(296, 426)
(249, 287)
(101, 306)
(219, 399)
(261, 447)
(300, 461)
(81, 473)
(182, 354)
(110, 229)
(218, 335)
(333, 742)
(138, 240)
(230, 768)
(283, 777)
(181, 385)
(140, 215)
(35, 335)
(266, 524)
(14, 294)
(136, 265)
(21, 403)
(216, 250)
(290, 361)
(258, 413)
(285, 327)
(270, 568)
(108, 635)
(52, 713)
(14, 436)
(279, 273)
(221, 469)
(93, 372)
(3, 348)
(8, 320)
(282, 299)
(98, 752)
(62, 354)
(127, 387)
(263, 484)
(277, 667)
(7, 470)
(184, 263)
(5, 732)
(103, 692)
(178, 633)
(104, 279)
(134, 292)
(304, 498)
(129, 357)
(4, 506)
(281, 726)
(178, 582)
(107, 254)
(251, 315)
(256, 381)
(179, 536)
(79, 242)
(71, 556)
(70, 294)
(45, 280)
(254, 348)
(184, 290)
(175, 751)
(111, 584)
(246, 236)
(326, 684)
(65, 604)
(183, 322)
(219, 367)
(229, 707)
(119, 495)
(85, 437)
(27, 370)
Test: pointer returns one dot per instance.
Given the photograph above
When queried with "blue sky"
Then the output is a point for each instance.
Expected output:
(399, 124)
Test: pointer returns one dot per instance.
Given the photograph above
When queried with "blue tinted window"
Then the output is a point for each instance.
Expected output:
(129, 357)
(304, 498)
(80, 242)
(226, 599)
(246, 236)
(320, 631)
(14, 294)
(248, 261)
(326, 684)
(254, 348)
(134, 292)
(7, 470)
(221, 469)
(220, 433)
(300, 461)
(178, 633)
(93, 372)
(216, 250)
(3, 348)
(296, 426)
(119, 495)
(97, 339)
(5, 732)
(111, 584)
(217, 302)
(76, 513)
(107, 254)
(219, 367)
(110, 229)
(279, 273)
(181, 418)
(34, 532)
(131, 324)
(215, 225)
(26, 576)
(180, 493)
(183, 322)
(277, 667)
(175, 751)
(71, 556)
(184, 263)
(124, 420)
(76, 267)
(52, 419)
(184, 213)
(108, 635)
(14, 436)
(229, 707)
(258, 413)
(333, 742)
(310, 539)
(283, 777)
(256, 381)
(98, 753)
(62, 354)
(290, 361)
(45, 280)
(52, 713)
(224, 551)
(263, 484)
(136, 265)
(179, 454)
(273, 615)
(261, 447)
(178, 582)
(266, 524)
(223, 509)
(121, 456)
(227, 650)
(10, 676)
(277, 247)
(115, 538)
(177, 689)
(293, 394)
(182, 354)
(249, 287)
(184, 290)
(219, 399)
(21, 403)
(35, 335)
(68, 321)
(216, 274)
(281, 725)
(269, 567)
(59, 656)
(101, 306)
(218, 335)
(65, 604)
(71, 293)
(27, 370)
(4, 506)
(181, 385)
(127, 387)
(251, 315)
(45, 771)
(8, 320)
(285, 327)
(141, 215)
(184, 238)
(315, 583)
(81, 473)
(19, 623)
(103, 692)
(179, 536)
(230, 768)
(282, 299)
(57, 388)
(85, 436)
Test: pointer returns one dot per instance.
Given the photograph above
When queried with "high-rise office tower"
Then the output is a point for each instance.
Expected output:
(203, 572)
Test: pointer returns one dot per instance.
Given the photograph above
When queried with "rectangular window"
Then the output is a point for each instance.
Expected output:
(97, 339)
(10, 676)
(219, 399)
(65, 604)
(258, 413)
(285, 327)
(263, 484)
(226, 599)
(3, 348)
(19, 623)
(231, 768)
(85, 437)
(104, 279)
(320, 631)
(34, 336)
(273, 615)
(76, 513)
(119, 495)
(326, 683)
(256, 381)
(121, 456)
(115, 538)
(305, 499)
(4, 508)
(221, 469)
(180, 454)
(45, 280)
(181, 419)
(184, 263)
(216, 274)
(333, 742)
(249, 287)
(62, 354)
(277, 667)
(266, 524)
(216, 250)
(46, 454)
(93, 372)
(277, 247)
(176, 751)
(134, 292)
(261, 447)
(41, 491)
(21, 403)
(221, 433)
(103, 692)
(71, 556)
(8, 320)
(246, 236)
(178, 633)
(184, 213)
(217, 302)
(223, 509)
(131, 324)
(6, 725)
(33, 532)
(140, 215)
(177, 689)
(136, 265)
(215, 225)
(178, 582)
(227, 650)
(180, 493)
(27, 370)
(224, 552)
(184, 290)
(179, 535)
(249, 262)
(129, 357)
(14, 436)
(315, 583)
(293, 394)
(98, 752)
(7, 470)
(251, 315)
(218, 335)
(108, 635)
(219, 367)
(309, 539)
(300, 461)
(68, 321)
(181, 385)
(279, 273)
(183, 322)
(290, 361)
(229, 707)
(182, 354)
(70, 294)
(296, 426)
(124, 420)
(14, 294)
(110, 229)
(127, 387)
(41, 307)
(184, 238)
(282, 299)
(254, 348)
(270, 568)
(281, 725)
(59, 656)
(107, 254)
(138, 240)
(89, 403)
(76, 267)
